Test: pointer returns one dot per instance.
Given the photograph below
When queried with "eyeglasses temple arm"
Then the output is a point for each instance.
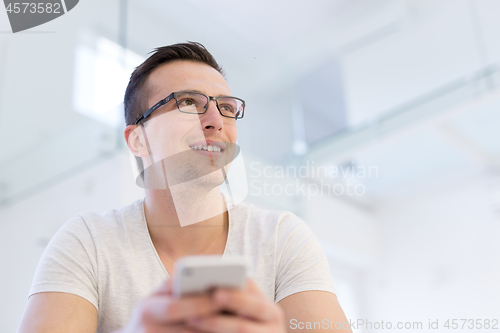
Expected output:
(154, 107)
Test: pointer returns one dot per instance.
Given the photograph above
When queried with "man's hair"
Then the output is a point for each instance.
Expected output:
(138, 92)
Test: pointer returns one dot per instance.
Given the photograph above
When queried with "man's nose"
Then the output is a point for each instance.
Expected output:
(212, 119)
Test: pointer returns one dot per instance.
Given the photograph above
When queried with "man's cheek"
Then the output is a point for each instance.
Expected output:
(166, 142)
(232, 131)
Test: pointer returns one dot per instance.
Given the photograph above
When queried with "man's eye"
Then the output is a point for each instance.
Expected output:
(226, 108)
(187, 102)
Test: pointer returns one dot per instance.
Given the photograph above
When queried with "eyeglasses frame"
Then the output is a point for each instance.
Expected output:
(174, 96)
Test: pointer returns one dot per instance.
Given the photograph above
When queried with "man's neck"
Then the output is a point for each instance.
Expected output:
(180, 225)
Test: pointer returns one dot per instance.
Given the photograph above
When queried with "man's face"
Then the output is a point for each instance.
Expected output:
(171, 134)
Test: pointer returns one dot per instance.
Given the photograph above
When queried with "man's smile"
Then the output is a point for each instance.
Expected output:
(208, 147)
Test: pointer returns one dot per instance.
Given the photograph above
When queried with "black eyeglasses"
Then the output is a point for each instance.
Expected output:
(197, 103)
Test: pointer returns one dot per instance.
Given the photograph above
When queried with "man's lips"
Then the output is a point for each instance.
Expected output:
(208, 153)
(208, 146)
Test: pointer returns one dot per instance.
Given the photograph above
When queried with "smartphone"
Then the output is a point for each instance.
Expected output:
(203, 273)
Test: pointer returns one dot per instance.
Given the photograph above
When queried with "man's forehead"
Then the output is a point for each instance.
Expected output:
(187, 75)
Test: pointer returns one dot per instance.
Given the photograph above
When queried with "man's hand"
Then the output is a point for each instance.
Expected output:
(160, 312)
(253, 312)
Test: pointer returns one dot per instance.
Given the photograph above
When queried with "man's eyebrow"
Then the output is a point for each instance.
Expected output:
(204, 93)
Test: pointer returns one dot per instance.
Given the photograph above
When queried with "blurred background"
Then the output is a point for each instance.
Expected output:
(375, 121)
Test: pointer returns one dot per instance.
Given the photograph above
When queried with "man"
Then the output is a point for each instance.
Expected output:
(112, 271)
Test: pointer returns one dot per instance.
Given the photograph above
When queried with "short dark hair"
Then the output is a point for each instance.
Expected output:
(137, 92)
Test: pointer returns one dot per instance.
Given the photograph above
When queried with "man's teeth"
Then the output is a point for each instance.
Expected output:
(206, 147)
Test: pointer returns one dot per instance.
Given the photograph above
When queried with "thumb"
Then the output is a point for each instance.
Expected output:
(252, 286)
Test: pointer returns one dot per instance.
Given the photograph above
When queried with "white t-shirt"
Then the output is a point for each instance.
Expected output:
(110, 260)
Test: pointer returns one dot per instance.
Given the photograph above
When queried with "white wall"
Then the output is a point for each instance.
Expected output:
(440, 255)
(351, 237)
(432, 255)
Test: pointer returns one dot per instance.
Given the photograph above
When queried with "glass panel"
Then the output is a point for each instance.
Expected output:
(439, 101)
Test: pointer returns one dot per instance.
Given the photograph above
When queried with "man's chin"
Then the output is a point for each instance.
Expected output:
(207, 182)
(200, 176)
(197, 176)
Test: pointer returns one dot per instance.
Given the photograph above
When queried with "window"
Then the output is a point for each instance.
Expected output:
(101, 76)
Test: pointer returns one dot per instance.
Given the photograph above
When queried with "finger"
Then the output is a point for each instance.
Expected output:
(226, 324)
(165, 310)
(252, 287)
(245, 303)
(165, 288)
(177, 328)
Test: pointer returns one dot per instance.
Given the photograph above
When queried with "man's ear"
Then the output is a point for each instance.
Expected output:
(136, 143)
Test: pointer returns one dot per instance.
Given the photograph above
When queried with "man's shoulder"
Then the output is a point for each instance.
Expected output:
(273, 218)
(113, 218)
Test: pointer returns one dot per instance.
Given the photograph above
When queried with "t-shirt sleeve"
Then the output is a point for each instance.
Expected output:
(301, 261)
(69, 263)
